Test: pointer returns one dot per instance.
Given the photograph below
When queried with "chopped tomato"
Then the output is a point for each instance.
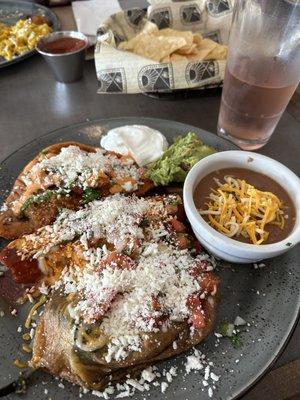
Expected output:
(176, 210)
(23, 271)
(115, 189)
(194, 304)
(145, 187)
(77, 190)
(183, 241)
(209, 282)
(98, 311)
(118, 260)
(181, 216)
(96, 242)
(199, 268)
(105, 306)
(131, 247)
(198, 319)
(178, 226)
(171, 209)
(193, 301)
(102, 180)
(127, 181)
(156, 318)
(155, 303)
(197, 246)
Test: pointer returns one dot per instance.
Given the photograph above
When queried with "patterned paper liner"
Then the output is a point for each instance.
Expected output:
(124, 72)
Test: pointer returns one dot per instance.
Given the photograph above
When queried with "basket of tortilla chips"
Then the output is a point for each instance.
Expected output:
(167, 47)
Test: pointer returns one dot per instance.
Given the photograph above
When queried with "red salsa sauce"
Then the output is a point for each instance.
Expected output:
(22, 274)
(10, 290)
(63, 45)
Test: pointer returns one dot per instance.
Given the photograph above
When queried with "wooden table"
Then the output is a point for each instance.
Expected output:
(32, 104)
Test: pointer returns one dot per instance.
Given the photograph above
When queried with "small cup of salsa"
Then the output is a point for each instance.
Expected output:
(243, 207)
(64, 52)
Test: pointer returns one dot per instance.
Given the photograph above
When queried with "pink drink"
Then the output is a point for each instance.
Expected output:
(250, 111)
(262, 70)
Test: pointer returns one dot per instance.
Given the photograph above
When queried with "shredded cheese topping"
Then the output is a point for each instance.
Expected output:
(238, 208)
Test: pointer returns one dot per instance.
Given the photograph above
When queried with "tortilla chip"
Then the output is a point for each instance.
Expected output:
(151, 28)
(177, 57)
(130, 44)
(197, 38)
(187, 50)
(218, 53)
(187, 35)
(203, 49)
(168, 45)
(157, 47)
(165, 59)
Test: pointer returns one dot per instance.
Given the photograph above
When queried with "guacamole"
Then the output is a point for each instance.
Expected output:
(178, 159)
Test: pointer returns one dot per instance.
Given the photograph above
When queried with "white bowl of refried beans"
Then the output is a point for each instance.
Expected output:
(230, 199)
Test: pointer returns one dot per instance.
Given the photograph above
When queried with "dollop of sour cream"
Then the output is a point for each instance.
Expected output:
(143, 143)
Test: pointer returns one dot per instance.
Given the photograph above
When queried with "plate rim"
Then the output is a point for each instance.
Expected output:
(296, 317)
(100, 120)
(33, 51)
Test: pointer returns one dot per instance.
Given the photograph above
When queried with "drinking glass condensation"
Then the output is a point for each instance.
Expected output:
(262, 72)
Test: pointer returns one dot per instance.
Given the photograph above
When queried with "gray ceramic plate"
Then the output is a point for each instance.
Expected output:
(267, 298)
(11, 11)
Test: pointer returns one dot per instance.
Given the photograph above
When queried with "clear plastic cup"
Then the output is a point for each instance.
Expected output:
(262, 72)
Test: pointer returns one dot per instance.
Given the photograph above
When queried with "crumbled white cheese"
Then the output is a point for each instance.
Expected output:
(174, 281)
(126, 294)
(148, 375)
(164, 387)
(214, 377)
(206, 372)
(193, 363)
(239, 321)
(31, 333)
(43, 289)
(115, 218)
(4, 207)
(103, 395)
(75, 166)
(134, 383)
(160, 268)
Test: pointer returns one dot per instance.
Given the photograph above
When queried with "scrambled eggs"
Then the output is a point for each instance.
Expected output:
(21, 37)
